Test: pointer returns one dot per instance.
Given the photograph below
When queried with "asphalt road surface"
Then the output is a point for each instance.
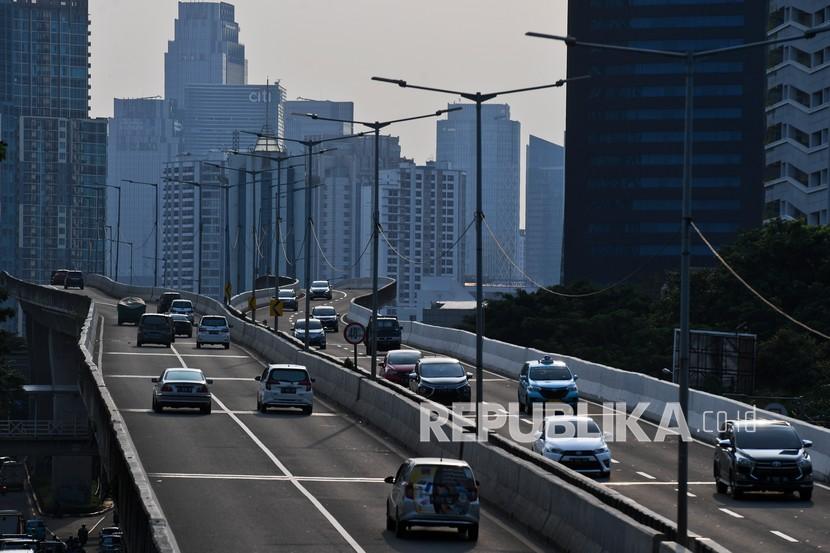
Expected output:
(647, 471)
(238, 480)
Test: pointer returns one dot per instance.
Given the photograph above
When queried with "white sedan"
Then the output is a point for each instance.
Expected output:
(213, 329)
(576, 442)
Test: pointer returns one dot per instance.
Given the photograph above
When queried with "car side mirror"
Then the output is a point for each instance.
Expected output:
(469, 376)
(313, 380)
(413, 376)
(724, 444)
(155, 379)
(576, 377)
(258, 378)
(807, 443)
(607, 436)
(389, 479)
(209, 381)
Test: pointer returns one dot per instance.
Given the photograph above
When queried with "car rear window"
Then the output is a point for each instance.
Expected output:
(213, 321)
(286, 293)
(75, 273)
(439, 370)
(403, 357)
(443, 489)
(766, 437)
(183, 375)
(550, 373)
(181, 303)
(325, 311)
(287, 375)
(158, 322)
(387, 323)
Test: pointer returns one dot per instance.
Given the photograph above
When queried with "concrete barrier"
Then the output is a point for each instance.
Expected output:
(603, 383)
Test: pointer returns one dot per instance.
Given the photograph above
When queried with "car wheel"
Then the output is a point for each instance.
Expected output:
(156, 407)
(206, 409)
(529, 407)
(472, 533)
(168, 344)
(390, 523)
(82, 286)
(198, 345)
(138, 344)
(190, 334)
(806, 494)
(400, 529)
(323, 346)
(720, 487)
(120, 322)
(735, 491)
(308, 410)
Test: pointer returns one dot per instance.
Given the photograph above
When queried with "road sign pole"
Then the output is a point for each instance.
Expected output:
(355, 356)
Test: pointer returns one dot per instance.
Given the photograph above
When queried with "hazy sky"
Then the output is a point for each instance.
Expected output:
(329, 49)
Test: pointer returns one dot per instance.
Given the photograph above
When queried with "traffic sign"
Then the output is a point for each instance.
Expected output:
(275, 307)
(354, 333)
(252, 303)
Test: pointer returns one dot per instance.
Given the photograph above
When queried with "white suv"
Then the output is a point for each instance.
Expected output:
(214, 329)
(282, 385)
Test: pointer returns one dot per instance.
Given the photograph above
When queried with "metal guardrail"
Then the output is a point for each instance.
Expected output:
(32, 429)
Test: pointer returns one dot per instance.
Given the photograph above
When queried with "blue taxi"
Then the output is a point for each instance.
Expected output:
(547, 380)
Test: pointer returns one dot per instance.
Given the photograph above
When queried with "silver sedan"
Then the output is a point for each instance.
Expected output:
(182, 388)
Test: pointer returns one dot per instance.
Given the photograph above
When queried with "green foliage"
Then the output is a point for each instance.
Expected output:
(631, 328)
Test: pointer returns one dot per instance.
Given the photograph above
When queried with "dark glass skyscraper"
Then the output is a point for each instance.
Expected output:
(624, 140)
(52, 195)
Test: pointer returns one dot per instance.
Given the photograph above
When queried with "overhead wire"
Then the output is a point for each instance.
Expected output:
(753, 290)
(438, 258)
(326, 259)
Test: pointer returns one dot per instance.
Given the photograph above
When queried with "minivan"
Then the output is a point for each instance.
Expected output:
(155, 328)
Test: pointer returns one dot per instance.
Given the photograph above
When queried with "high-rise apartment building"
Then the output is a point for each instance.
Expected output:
(139, 144)
(422, 211)
(544, 211)
(52, 184)
(624, 134)
(456, 146)
(798, 114)
(205, 50)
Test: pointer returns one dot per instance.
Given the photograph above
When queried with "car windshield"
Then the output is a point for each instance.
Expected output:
(439, 370)
(181, 304)
(213, 321)
(403, 357)
(313, 324)
(325, 311)
(387, 324)
(766, 437)
(319, 284)
(287, 375)
(154, 322)
(183, 375)
(550, 373)
(573, 429)
(286, 293)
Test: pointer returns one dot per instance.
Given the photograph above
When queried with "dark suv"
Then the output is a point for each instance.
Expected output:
(155, 328)
(74, 279)
(389, 334)
(166, 300)
(757, 455)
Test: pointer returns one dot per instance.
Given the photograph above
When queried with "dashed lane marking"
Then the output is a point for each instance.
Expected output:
(733, 514)
(277, 477)
(784, 536)
(646, 475)
(655, 483)
(174, 355)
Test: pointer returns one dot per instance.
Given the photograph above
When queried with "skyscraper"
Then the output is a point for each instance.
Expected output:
(798, 119)
(205, 50)
(52, 194)
(456, 146)
(624, 134)
(139, 144)
(544, 210)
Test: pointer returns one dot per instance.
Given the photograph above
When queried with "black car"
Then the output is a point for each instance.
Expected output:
(320, 289)
(762, 455)
(327, 315)
(288, 298)
(441, 379)
(388, 334)
(74, 279)
(182, 325)
(155, 328)
(166, 300)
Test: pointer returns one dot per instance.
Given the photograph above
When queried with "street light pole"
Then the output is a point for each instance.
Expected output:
(155, 227)
(376, 127)
(479, 99)
(686, 218)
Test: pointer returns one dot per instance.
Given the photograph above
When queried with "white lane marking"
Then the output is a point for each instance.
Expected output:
(784, 536)
(174, 355)
(646, 475)
(101, 321)
(730, 513)
(276, 477)
(654, 483)
(131, 410)
(821, 486)
(94, 526)
(282, 468)
(231, 378)
(615, 462)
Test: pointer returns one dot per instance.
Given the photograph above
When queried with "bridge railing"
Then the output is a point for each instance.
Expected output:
(32, 429)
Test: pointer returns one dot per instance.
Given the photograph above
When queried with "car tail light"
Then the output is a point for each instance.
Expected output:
(167, 388)
(201, 389)
(409, 491)
(473, 494)
(267, 385)
(306, 383)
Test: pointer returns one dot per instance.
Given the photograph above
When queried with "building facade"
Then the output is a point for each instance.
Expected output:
(205, 50)
(624, 139)
(798, 118)
(456, 146)
(140, 142)
(422, 215)
(544, 211)
(52, 184)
